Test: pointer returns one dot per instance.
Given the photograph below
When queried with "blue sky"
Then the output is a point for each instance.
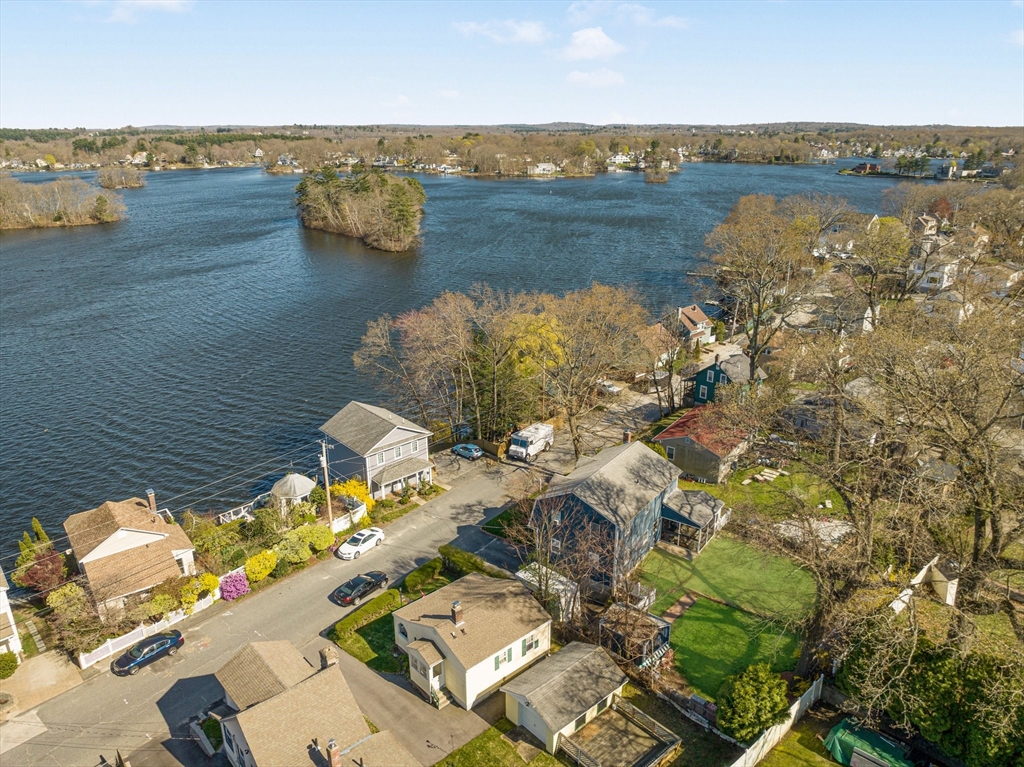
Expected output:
(108, 63)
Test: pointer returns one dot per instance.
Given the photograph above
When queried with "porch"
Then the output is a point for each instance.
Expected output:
(395, 477)
(620, 736)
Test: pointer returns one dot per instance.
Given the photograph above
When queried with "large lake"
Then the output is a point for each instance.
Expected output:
(208, 334)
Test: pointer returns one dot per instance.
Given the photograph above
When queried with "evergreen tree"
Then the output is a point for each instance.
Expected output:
(751, 702)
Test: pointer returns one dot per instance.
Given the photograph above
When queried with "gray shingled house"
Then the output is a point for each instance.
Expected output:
(383, 449)
(620, 492)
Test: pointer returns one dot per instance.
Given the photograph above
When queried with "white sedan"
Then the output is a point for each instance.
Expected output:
(608, 389)
(362, 541)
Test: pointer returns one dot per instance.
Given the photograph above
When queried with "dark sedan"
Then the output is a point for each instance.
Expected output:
(147, 651)
(352, 592)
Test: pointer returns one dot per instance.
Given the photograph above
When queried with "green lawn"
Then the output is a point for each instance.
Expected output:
(713, 641)
(497, 526)
(733, 572)
(490, 749)
(372, 645)
(801, 747)
(698, 747)
(778, 499)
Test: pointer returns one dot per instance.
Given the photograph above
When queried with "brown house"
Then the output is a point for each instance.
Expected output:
(125, 548)
(702, 449)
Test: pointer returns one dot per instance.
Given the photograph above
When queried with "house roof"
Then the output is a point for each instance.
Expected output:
(6, 626)
(495, 613)
(401, 470)
(657, 339)
(292, 486)
(698, 424)
(134, 569)
(3, 580)
(690, 316)
(261, 670)
(281, 729)
(625, 620)
(568, 683)
(427, 650)
(737, 367)
(619, 482)
(382, 749)
(697, 506)
(361, 427)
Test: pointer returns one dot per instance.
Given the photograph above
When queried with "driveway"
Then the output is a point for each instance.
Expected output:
(145, 716)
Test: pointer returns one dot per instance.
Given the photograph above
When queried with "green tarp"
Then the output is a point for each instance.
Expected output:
(847, 736)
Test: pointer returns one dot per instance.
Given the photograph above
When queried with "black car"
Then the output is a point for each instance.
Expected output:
(352, 592)
(147, 651)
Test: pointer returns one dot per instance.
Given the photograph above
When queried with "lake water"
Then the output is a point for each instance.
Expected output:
(195, 346)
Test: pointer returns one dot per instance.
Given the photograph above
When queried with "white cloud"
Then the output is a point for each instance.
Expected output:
(588, 10)
(510, 31)
(640, 15)
(1018, 37)
(643, 16)
(591, 43)
(599, 78)
(448, 94)
(127, 11)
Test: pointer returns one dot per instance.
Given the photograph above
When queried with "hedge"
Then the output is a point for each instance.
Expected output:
(459, 563)
(8, 664)
(380, 605)
(421, 576)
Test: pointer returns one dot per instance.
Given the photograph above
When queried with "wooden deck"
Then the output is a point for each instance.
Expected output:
(614, 741)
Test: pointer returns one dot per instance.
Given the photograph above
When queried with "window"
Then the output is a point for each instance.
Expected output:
(721, 378)
(711, 376)
(602, 705)
(380, 458)
(580, 722)
(556, 545)
(398, 451)
(502, 658)
(529, 643)
(557, 518)
(402, 631)
(703, 392)
(227, 738)
(415, 445)
(671, 453)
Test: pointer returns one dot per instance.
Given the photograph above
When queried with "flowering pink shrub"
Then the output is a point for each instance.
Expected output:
(233, 586)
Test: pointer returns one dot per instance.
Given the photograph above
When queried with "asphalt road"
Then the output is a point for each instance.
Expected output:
(145, 716)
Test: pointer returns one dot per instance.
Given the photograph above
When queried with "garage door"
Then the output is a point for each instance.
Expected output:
(529, 719)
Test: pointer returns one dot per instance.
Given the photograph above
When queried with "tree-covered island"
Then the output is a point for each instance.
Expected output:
(383, 211)
(64, 202)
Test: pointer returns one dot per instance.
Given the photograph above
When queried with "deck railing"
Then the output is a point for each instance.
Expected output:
(576, 752)
(640, 719)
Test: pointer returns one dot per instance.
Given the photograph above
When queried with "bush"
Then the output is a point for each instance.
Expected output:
(281, 569)
(260, 565)
(8, 664)
(68, 599)
(422, 575)
(353, 488)
(387, 602)
(318, 497)
(47, 572)
(233, 556)
(386, 505)
(751, 702)
(214, 733)
(302, 513)
(657, 447)
(460, 563)
(291, 550)
(319, 537)
(233, 586)
(157, 607)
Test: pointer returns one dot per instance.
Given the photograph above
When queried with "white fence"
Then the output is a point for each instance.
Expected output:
(116, 645)
(759, 749)
(356, 511)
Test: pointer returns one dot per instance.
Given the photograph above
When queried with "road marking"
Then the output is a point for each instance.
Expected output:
(20, 729)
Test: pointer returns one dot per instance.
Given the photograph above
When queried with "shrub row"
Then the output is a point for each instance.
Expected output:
(387, 602)
(421, 576)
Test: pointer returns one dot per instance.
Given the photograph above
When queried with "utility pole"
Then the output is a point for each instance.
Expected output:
(327, 483)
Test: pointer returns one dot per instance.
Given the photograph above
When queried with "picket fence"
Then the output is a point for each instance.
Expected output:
(117, 644)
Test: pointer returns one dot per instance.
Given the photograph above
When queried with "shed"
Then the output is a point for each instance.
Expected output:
(859, 747)
(292, 488)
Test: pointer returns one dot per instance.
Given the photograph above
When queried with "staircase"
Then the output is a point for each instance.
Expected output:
(441, 698)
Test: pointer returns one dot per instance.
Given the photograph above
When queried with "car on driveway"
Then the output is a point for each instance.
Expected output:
(608, 389)
(147, 651)
(353, 591)
(361, 542)
(472, 452)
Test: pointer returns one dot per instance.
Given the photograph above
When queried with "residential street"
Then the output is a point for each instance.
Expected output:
(145, 716)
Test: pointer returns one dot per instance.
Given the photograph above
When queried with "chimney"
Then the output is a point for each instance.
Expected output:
(152, 500)
(457, 613)
(627, 436)
(333, 753)
(717, 356)
(328, 657)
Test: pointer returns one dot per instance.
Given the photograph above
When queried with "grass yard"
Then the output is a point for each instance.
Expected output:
(712, 642)
(499, 524)
(372, 644)
(699, 747)
(801, 747)
(733, 572)
(490, 749)
(778, 499)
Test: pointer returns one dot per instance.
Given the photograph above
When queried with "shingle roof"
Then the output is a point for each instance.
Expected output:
(691, 316)
(699, 425)
(132, 570)
(281, 730)
(401, 470)
(361, 427)
(427, 650)
(698, 506)
(261, 670)
(3, 580)
(619, 483)
(382, 749)
(568, 683)
(292, 486)
(495, 612)
(6, 626)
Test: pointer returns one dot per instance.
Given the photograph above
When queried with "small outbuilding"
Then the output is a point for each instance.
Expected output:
(292, 488)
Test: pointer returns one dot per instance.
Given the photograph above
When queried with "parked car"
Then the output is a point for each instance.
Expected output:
(361, 542)
(351, 592)
(472, 452)
(147, 651)
(608, 388)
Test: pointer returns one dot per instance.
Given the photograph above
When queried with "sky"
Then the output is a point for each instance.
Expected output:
(111, 63)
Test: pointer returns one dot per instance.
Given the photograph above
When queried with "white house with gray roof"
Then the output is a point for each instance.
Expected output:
(563, 692)
(382, 448)
(467, 639)
(10, 641)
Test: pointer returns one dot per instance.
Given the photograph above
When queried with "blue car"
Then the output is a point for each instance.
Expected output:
(472, 452)
(147, 651)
